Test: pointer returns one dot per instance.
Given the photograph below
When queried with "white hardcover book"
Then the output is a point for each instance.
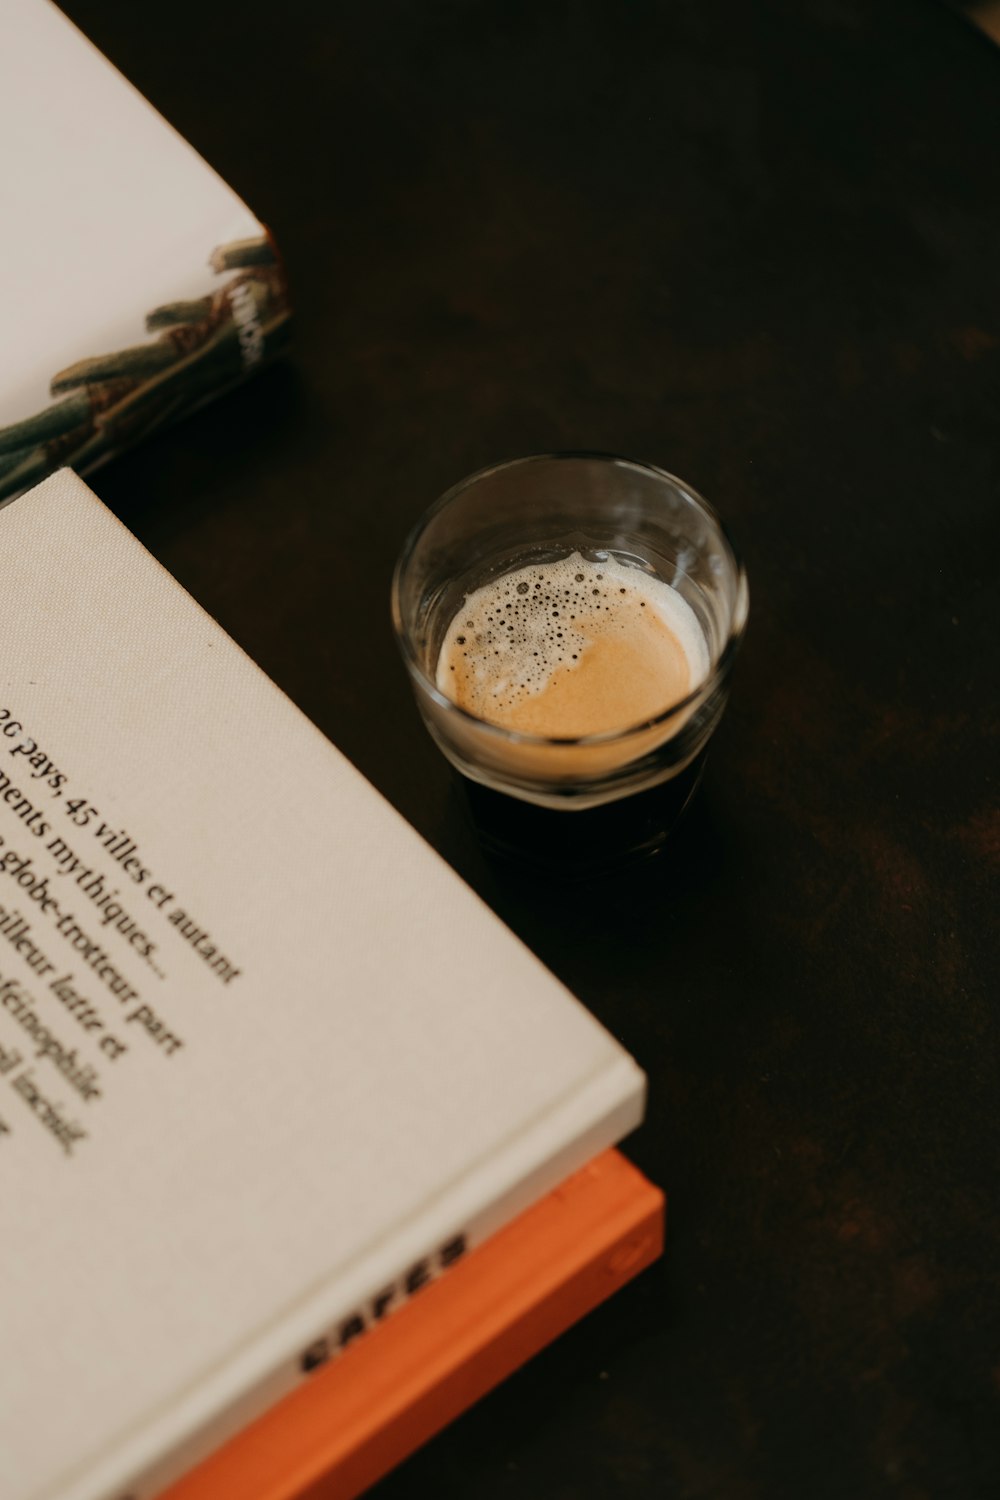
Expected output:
(137, 284)
(266, 1063)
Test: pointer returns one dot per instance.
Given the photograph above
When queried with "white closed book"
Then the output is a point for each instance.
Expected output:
(266, 1064)
(136, 283)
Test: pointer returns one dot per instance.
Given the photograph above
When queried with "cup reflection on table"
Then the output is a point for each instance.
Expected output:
(487, 655)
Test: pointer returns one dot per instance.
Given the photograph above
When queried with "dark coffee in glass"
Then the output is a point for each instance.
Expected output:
(569, 623)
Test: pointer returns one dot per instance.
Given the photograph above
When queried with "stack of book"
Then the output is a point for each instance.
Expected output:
(301, 1150)
(268, 1071)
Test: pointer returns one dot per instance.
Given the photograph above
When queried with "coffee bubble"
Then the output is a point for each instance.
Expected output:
(570, 648)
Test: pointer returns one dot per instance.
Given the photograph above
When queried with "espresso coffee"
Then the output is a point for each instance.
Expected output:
(577, 647)
(569, 623)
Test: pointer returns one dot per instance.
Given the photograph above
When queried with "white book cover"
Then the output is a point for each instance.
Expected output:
(137, 284)
(266, 1063)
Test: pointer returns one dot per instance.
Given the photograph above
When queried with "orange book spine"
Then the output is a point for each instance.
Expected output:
(356, 1418)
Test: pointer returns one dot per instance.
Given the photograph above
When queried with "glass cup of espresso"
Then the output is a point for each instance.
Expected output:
(569, 623)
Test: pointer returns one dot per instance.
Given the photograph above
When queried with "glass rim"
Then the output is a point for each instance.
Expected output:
(718, 670)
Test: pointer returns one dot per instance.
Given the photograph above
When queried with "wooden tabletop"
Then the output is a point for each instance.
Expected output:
(758, 245)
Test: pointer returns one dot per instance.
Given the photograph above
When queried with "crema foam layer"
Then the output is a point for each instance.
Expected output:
(572, 648)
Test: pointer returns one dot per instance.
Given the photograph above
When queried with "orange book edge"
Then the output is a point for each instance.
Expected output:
(355, 1419)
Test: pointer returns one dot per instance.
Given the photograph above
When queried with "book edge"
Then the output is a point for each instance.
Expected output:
(216, 1405)
(464, 1335)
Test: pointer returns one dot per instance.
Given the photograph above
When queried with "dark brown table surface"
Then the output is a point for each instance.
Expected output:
(759, 244)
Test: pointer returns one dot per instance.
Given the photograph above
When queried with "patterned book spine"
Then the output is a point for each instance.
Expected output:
(202, 346)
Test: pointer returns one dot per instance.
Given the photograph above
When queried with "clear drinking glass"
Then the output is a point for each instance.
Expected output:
(572, 802)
